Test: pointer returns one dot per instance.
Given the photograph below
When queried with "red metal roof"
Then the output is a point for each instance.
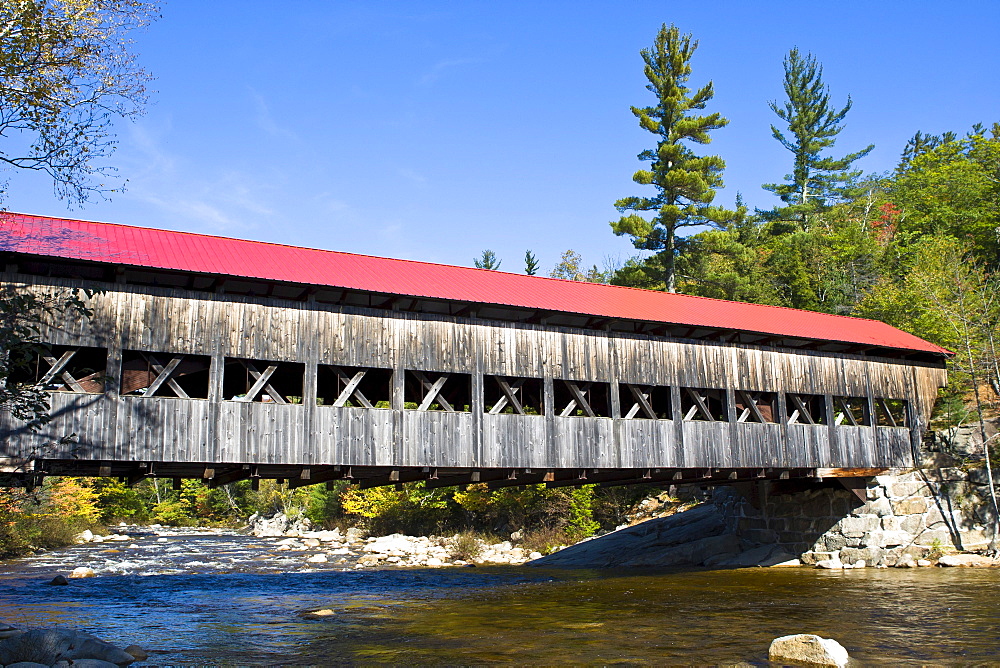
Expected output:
(204, 254)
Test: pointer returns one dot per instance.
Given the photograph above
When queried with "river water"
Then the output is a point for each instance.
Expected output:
(224, 598)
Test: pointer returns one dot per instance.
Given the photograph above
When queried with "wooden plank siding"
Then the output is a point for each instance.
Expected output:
(219, 430)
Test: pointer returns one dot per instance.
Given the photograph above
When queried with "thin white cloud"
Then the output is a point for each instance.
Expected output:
(439, 68)
(411, 175)
(265, 121)
(221, 202)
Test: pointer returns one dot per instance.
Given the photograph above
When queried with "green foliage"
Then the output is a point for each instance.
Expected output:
(953, 190)
(530, 263)
(407, 508)
(47, 518)
(685, 183)
(570, 268)
(488, 260)
(581, 522)
(813, 126)
(67, 74)
(117, 502)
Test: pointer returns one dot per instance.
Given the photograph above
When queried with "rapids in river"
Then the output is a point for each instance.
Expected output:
(221, 598)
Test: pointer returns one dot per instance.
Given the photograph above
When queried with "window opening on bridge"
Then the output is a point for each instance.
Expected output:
(703, 404)
(265, 382)
(646, 402)
(517, 396)
(806, 408)
(851, 411)
(146, 374)
(574, 398)
(434, 391)
(353, 386)
(890, 413)
(67, 369)
(760, 407)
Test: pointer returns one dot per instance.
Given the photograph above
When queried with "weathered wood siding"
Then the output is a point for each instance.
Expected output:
(166, 321)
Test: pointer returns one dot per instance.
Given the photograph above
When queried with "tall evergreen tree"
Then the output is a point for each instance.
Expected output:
(530, 263)
(685, 182)
(488, 260)
(816, 181)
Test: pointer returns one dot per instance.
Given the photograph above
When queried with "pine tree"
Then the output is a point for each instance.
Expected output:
(813, 126)
(530, 263)
(488, 260)
(685, 182)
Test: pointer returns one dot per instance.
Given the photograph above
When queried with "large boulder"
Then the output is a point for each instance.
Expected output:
(276, 525)
(49, 646)
(691, 538)
(808, 649)
(967, 561)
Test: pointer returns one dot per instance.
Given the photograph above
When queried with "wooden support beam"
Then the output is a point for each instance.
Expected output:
(857, 486)
(750, 404)
(579, 399)
(319, 475)
(433, 391)
(56, 365)
(641, 395)
(509, 390)
(699, 404)
(234, 475)
(164, 376)
(261, 382)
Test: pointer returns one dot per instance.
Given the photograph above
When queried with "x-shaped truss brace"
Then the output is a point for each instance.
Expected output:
(841, 402)
(750, 407)
(641, 395)
(432, 391)
(579, 393)
(261, 383)
(57, 366)
(800, 410)
(164, 376)
(510, 389)
(351, 389)
(699, 405)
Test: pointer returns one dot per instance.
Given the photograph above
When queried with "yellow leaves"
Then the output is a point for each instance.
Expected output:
(371, 502)
(69, 498)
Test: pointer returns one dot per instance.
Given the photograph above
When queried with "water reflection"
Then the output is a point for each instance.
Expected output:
(233, 599)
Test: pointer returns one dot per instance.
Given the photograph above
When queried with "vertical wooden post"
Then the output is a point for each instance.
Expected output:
(784, 447)
(736, 450)
(677, 415)
(551, 459)
(823, 458)
(474, 450)
(116, 416)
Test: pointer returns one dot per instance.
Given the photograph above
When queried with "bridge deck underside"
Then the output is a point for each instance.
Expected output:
(373, 476)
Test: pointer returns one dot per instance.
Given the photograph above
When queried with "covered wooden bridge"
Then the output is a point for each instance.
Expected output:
(225, 359)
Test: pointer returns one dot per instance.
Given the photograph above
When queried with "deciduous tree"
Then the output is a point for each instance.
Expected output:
(67, 71)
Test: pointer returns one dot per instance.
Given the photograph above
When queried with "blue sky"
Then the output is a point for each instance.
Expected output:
(431, 131)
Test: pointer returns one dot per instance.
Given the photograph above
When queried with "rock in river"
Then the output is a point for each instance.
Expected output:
(806, 648)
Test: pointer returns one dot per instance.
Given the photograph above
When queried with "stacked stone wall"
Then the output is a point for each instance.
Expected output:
(906, 515)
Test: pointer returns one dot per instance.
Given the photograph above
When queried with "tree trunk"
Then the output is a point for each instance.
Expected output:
(669, 271)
